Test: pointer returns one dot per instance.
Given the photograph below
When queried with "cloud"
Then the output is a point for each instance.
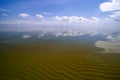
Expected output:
(110, 6)
(77, 19)
(69, 33)
(95, 19)
(110, 46)
(115, 15)
(70, 18)
(93, 34)
(47, 13)
(39, 16)
(24, 15)
(4, 14)
(41, 35)
(26, 36)
(61, 23)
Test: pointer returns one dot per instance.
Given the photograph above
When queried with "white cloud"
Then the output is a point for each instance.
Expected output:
(26, 36)
(115, 15)
(95, 19)
(69, 33)
(110, 6)
(77, 19)
(39, 16)
(73, 33)
(110, 46)
(109, 37)
(41, 35)
(61, 23)
(24, 15)
(93, 34)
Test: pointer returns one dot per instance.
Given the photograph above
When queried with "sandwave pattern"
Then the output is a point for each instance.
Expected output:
(60, 67)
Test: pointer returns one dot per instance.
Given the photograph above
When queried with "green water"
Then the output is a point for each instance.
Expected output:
(56, 60)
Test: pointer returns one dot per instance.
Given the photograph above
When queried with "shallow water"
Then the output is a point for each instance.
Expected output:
(56, 59)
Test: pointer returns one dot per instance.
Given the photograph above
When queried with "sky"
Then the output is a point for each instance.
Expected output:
(53, 7)
(34, 9)
(93, 14)
(90, 14)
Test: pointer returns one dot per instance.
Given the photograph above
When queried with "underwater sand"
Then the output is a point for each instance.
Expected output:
(57, 60)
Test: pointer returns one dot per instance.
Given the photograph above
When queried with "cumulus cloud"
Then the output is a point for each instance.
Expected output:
(77, 19)
(70, 18)
(39, 16)
(24, 15)
(110, 6)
